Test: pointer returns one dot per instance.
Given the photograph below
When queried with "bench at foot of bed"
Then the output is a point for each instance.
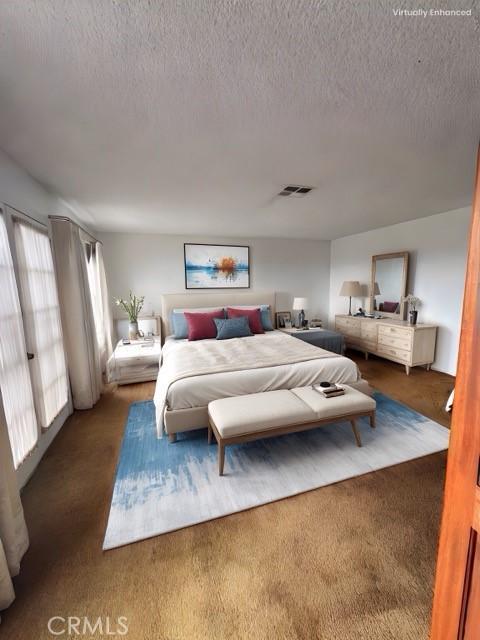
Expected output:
(275, 413)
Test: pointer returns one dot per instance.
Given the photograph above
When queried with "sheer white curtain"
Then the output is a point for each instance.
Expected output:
(38, 292)
(15, 382)
(100, 300)
(13, 531)
(78, 323)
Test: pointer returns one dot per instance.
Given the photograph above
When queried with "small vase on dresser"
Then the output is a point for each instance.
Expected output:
(408, 344)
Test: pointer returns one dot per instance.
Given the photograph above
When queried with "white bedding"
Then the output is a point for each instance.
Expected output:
(194, 373)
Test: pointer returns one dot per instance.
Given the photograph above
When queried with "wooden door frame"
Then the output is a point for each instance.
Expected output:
(460, 519)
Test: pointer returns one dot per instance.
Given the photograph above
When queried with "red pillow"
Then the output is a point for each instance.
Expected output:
(201, 325)
(254, 318)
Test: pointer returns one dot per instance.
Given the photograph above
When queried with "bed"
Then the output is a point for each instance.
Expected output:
(194, 373)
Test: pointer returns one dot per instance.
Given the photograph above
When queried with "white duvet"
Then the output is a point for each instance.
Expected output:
(192, 374)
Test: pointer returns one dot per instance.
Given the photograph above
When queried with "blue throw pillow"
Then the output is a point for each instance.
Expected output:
(179, 325)
(232, 328)
(266, 319)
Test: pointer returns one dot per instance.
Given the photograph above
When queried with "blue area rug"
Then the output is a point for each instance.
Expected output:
(160, 487)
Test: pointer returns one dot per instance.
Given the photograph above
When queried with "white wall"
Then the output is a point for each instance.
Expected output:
(152, 265)
(19, 190)
(438, 250)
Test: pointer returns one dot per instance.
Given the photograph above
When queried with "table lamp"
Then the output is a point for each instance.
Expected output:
(300, 304)
(351, 288)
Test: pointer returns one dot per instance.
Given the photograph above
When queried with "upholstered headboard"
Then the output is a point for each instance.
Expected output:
(172, 301)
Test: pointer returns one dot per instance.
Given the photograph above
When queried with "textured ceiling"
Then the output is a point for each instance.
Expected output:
(189, 116)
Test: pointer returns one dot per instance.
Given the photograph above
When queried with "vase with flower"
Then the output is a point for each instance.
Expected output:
(413, 303)
(132, 307)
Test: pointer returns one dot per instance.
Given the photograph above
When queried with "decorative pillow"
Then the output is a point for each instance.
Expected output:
(178, 322)
(201, 325)
(254, 317)
(232, 328)
(265, 313)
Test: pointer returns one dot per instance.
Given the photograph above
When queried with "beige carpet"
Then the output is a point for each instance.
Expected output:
(349, 561)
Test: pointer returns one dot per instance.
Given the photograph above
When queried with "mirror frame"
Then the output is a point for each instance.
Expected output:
(403, 288)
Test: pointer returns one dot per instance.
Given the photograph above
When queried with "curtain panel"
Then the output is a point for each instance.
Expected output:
(13, 530)
(100, 301)
(80, 337)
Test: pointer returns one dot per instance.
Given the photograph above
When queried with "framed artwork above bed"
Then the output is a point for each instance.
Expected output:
(216, 266)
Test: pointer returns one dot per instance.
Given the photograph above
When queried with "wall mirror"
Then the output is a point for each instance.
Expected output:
(389, 284)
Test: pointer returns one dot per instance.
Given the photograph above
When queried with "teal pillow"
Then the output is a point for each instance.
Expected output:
(179, 324)
(266, 319)
(232, 328)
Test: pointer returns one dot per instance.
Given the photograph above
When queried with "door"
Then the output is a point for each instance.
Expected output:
(456, 604)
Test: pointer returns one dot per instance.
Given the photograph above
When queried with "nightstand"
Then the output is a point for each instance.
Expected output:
(138, 361)
(329, 340)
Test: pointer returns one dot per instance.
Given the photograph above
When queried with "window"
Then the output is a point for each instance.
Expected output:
(15, 382)
(41, 311)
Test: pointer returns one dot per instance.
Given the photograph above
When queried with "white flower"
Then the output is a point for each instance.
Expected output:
(412, 300)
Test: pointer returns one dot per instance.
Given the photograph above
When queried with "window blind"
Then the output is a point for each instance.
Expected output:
(43, 329)
(15, 382)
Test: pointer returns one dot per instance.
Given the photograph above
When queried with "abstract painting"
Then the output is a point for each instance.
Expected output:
(216, 266)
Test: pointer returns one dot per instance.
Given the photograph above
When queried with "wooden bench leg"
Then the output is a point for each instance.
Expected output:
(172, 437)
(221, 457)
(373, 423)
(355, 433)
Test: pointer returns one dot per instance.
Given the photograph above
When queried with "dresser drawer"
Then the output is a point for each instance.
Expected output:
(399, 342)
(138, 369)
(369, 331)
(401, 355)
(390, 330)
(360, 344)
(348, 326)
(133, 361)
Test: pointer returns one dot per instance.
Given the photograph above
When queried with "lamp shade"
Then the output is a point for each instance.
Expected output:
(300, 303)
(351, 288)
(376, 289)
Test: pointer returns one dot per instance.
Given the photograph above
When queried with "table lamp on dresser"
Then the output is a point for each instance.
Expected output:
(300, 304)
(351, 289)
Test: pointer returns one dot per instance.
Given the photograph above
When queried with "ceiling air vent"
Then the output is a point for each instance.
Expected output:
(295, 191)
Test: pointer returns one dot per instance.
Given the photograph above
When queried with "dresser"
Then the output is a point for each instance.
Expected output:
(395, 340)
